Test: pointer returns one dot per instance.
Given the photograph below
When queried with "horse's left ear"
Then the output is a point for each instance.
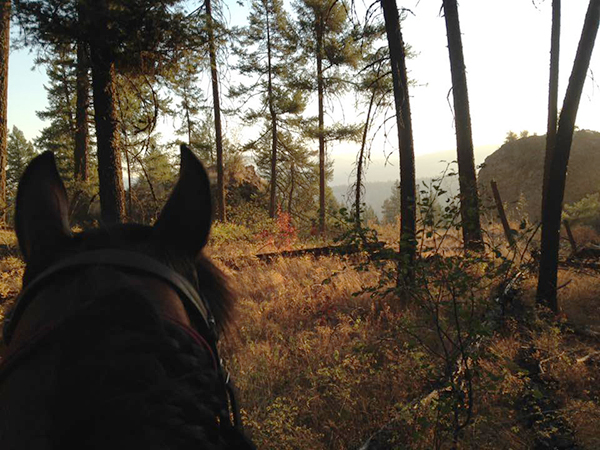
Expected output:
(42, 209)
(184, 222)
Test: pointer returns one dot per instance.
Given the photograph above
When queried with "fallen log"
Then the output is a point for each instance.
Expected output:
(317, 252)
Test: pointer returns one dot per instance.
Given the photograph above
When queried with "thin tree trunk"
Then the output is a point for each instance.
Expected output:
(212, 54)
(321, 96)
(469, 199)
(502, 214)
(408, 217)
(570, 237)
(552, 208)
(5, 8)
(188, 118)
(65, 83)
(552, 94)
(360, 164)
(292, 185)
(272, 113)
(129, 183)
(110, 175)
(82, 134)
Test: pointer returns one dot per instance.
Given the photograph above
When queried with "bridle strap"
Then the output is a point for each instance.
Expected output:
(123, 259)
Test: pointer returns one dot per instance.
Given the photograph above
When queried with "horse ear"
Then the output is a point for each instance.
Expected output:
(184, 222)
(42, 209)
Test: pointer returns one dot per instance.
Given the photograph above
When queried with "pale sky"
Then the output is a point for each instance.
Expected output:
(506, 45)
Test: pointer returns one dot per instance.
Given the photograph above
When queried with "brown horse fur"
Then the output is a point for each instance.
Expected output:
(114, 371)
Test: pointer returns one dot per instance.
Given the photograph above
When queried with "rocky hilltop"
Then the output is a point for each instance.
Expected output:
(242, 183)
(518, 168)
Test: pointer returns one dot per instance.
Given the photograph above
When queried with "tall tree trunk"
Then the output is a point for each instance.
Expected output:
(321, 97)
(469, 199)
(4, 55)
(361, 164)
(552, 208)
(408, 217)
(65, 83)
(552, 95)
(82, 133)
(292, 185)
(110, 174)
(188, 120)
(212, 54)
(129, 182)
(273, 114)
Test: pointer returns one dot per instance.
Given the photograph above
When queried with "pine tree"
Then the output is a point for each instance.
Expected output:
(408, 226)
(152, 185)
(298, 175)
(203, 134)
(19, 153)
(82, 131)
(469, 198)
(327, 40)
(67, 134)
(59, 135)
(186, 85)
(552, 94)
(374, 89)
(266, 53)
(161, 28)
(211, 26)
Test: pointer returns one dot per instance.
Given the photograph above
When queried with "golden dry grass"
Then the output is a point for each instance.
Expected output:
(11, 271)
(583, 235)
(578, 297)
(320, 367)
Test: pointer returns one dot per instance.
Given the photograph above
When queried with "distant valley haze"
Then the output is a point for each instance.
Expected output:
(380, 177)
(381, 169)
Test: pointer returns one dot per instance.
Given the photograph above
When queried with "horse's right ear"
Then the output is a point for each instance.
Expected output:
(41, 217)
(184, 222)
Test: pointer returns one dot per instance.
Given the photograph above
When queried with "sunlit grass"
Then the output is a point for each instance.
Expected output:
(321, 364)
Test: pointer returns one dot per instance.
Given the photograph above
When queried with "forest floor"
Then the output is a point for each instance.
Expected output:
(323, 358)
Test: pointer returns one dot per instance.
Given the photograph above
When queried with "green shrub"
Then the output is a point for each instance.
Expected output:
(585, 212)
(223, 233)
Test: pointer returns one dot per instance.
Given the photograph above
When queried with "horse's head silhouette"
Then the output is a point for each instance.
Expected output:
(112, 341)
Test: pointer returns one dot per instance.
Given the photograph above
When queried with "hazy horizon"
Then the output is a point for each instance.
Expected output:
(427, 166)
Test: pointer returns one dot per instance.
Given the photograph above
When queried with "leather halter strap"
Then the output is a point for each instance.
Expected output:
(123, 259)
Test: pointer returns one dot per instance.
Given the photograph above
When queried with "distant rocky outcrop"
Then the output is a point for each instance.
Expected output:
(242, 183)
(518, 168)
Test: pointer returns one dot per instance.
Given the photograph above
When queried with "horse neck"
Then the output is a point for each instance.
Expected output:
(113, 365)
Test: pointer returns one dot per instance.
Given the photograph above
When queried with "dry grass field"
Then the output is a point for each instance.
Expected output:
(322, 362)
